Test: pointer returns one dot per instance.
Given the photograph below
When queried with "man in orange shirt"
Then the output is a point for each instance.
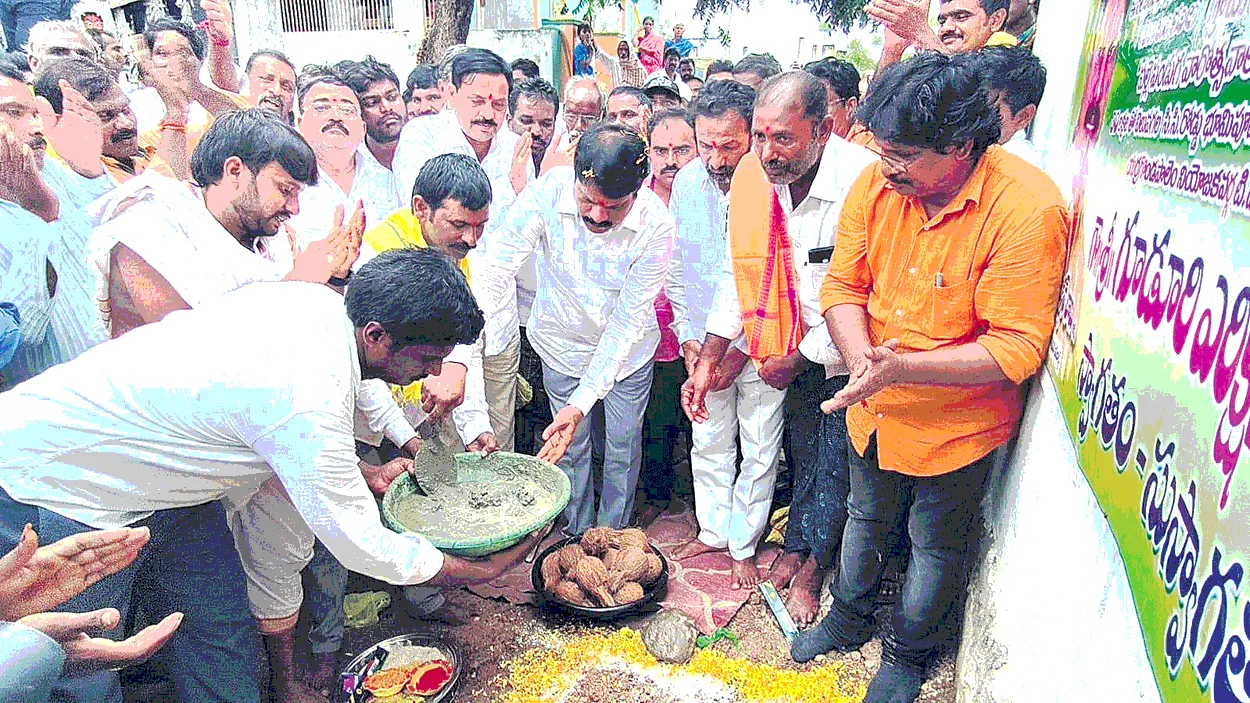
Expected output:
(941, 298)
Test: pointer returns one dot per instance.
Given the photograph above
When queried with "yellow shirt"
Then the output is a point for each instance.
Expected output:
(399, 230)
(1002, 39)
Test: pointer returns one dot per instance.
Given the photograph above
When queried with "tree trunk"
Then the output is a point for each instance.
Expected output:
(449, 26)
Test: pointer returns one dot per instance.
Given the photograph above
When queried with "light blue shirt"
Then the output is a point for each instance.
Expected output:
(10, 333)
(56, 325)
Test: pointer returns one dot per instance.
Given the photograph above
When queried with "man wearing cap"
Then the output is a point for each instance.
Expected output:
(663, 92)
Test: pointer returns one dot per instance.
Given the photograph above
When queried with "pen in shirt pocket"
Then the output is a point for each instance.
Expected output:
(939, 281)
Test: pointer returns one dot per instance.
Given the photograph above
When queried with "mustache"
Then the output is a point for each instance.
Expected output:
(779, 166)
(124, 135)
(333, 124)
(952, 34)
(897, 181)
(37, 143)
(485, 123)
(670, 169)
(595, 223)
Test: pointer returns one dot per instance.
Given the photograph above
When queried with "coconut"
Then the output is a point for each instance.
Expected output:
(629, 592)
(630, 565)
(591, 575)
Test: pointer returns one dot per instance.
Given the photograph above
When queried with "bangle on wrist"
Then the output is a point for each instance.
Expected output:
(173, 126)
(222, 43)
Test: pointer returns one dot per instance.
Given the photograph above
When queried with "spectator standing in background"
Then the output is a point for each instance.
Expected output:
(534, 105)
(625, 69)
(1015, 79)
(630, 107)
(841, 80)
(650, 47)
(684, 46)
(422, 94)
(584, 51)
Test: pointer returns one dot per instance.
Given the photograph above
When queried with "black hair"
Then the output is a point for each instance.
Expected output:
(166, 24)
(313, 75)
(613, 158)
(84, 75)
(483, 62)
(672, 113)
(257, 139)
(762, 65)
(534, 89)
(359, 75)
(648, 18)
(584, 27)
(527, 67)
(720, 97)
(453, 177)
(1014, 71)
(268, 53)
(423, 77)
(642, 98)
(719, 66)
(418, 295)
(673, 52)
(808, 88)
(931, 101)
(15, 65)
(841, 75)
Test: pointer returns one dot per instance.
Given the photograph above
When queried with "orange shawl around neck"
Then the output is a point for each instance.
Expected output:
(763, 264)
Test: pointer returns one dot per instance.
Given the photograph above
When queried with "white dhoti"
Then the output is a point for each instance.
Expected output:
(732, 505)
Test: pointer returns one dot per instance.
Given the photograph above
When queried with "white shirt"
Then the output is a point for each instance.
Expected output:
(699, 211)
(422, 140)
(813, 224)
(166, 224)
(1022, 146)
(372, 184)
(208, 404)
(593, 316)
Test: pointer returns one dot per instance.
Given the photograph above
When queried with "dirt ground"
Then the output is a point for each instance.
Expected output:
(499, 631)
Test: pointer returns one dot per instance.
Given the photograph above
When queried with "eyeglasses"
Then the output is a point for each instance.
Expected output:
(580, 122)
(345, 109)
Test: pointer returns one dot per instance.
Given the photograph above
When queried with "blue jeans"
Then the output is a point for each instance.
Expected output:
(943, 519)
(819, 477)
(189, 566)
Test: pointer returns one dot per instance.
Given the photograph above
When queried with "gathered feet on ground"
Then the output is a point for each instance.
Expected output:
(745, 573)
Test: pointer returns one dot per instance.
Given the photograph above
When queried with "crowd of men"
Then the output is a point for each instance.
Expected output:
(236, 303)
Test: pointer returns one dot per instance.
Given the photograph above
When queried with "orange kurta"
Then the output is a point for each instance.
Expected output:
(999, 246)
(860, 135)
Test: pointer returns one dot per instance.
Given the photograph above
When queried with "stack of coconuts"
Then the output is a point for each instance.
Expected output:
(606, 569)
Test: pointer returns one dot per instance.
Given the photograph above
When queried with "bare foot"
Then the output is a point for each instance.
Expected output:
(321, 677)
(745, 573)
(694, 548)
(784, 569)
(803, 601)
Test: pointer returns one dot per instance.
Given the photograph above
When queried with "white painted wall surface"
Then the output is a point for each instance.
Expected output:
(1049, 617)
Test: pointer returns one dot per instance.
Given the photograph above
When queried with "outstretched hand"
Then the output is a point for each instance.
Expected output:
(559, 434)
(34, 579)
(77, 133)
(334, 255)
(87, 654)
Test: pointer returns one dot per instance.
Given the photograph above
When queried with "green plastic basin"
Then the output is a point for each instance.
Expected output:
(548, 475)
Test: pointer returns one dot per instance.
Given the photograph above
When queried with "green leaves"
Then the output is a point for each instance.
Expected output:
(705, 641)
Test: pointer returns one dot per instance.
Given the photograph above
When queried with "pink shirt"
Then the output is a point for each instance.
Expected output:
(670, 348)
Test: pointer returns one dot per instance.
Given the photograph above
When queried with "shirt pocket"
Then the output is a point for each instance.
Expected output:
(607, 268)
(951, 311)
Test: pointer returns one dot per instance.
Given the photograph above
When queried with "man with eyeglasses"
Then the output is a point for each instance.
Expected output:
(331, 123)
(583, 109)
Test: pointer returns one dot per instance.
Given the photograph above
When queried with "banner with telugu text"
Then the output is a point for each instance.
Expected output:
(1150, 349)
